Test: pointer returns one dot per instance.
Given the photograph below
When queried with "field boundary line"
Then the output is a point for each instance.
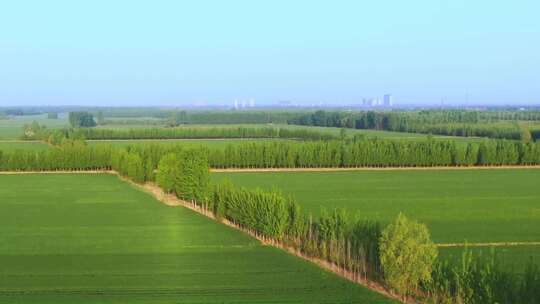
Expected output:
(489, 244)
(435, 168)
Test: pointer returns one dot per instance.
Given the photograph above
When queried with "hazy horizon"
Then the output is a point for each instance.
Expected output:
(163, 53)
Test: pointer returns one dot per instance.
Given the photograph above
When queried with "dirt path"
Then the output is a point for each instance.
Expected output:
(371, 169)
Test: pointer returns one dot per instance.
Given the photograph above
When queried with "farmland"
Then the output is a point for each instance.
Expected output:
(13, 145)
(92, 238)
(511, 258)
(12, 128)
(457, 206)
(100, 239)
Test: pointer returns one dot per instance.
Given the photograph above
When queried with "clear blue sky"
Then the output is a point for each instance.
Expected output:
(179, 52)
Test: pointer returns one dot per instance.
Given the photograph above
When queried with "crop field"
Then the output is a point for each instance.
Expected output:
(457, 205)
(210, 143)
(511, 258)
(9, 145)
(92, 238)
(12, 128)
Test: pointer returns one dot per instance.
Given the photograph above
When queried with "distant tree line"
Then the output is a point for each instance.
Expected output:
(201, 133)
(133, 121)
(81, 120)
(176, 117)
(228, 117)
(497, 115)
(450, 123)
(52, 115)
(346, 153)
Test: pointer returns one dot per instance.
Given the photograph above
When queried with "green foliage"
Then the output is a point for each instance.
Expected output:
(186, 174)
(526, 136)
(81, 120)
(52, 115)
(407, 255)
(445, 122)
(373, 153)
(33, 130)
(69, 155)
(480, 279)
(168, 172)
(100, 118)
(194, 133)
(226, 117)
(194, 177)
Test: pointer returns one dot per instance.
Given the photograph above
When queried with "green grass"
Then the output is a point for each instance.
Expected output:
(95, 239)
(20, 145)
(183, 142)
(457, 205)
(511, 258)
(12, 128)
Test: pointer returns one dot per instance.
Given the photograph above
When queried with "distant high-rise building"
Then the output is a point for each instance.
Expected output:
(388, 100)
(252, 103)
(236, 104)
(365, 102)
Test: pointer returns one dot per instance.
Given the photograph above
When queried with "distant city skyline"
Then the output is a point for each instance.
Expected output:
(172, 53)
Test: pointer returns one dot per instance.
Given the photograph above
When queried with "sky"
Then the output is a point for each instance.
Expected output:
(116, 53)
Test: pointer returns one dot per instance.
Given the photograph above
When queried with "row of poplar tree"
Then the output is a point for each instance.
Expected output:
(364, 248)
(36, 131)
(450, 123)
(374, 153)
(359, 152)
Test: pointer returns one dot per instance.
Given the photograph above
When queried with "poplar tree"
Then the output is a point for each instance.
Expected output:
(407, 255)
